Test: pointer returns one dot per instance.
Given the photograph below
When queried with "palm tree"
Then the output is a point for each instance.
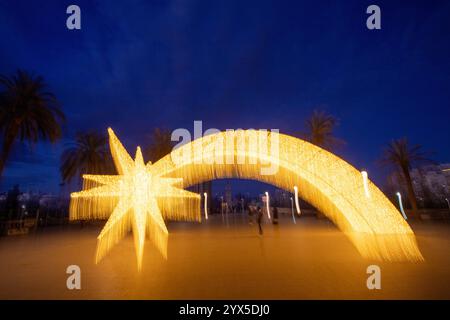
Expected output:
(28, 112)
(320, 127)
(88, 154)
(401, 155)
(160, 144)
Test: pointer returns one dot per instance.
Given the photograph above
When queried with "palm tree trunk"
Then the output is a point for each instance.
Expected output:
(411, 195)
(6, 150)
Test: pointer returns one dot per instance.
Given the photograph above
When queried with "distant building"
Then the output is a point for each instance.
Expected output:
(49, 200)
(431, 184)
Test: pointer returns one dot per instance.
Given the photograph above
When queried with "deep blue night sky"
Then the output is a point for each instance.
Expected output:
(234, 64)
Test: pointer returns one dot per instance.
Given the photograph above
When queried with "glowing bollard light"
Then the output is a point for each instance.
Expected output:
(206, 205)
(297, 205)
(365, 183)
(268, 205)
(292, 210)
(401, 205)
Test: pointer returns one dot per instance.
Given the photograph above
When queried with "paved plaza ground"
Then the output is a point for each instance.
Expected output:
(222, 259)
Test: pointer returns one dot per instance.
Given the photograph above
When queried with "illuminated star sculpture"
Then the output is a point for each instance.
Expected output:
(138, 198)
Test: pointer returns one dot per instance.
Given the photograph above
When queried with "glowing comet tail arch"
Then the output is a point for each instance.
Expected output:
(142, 195)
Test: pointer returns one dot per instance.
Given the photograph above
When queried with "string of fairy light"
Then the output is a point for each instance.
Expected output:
(142, 195)
(138, 198)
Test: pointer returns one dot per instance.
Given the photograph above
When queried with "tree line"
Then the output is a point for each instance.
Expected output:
(30, 113)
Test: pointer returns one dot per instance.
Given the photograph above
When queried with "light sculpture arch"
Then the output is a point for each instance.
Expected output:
(333, 186)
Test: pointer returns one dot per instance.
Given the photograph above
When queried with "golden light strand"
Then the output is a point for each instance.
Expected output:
(142, 195)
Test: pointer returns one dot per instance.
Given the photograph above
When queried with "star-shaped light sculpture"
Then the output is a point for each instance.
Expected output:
(138, 198)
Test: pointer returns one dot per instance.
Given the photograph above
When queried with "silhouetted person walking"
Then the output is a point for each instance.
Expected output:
(260, 217)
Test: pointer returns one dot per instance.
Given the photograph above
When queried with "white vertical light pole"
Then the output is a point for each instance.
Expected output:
(268, 205)
(365, 183)
(292, 210)
(206, 205)
(448, 203)
(297, 205)
(401, 205)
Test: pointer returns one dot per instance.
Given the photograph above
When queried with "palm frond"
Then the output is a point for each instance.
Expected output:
(320, 130)
(88, 154)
